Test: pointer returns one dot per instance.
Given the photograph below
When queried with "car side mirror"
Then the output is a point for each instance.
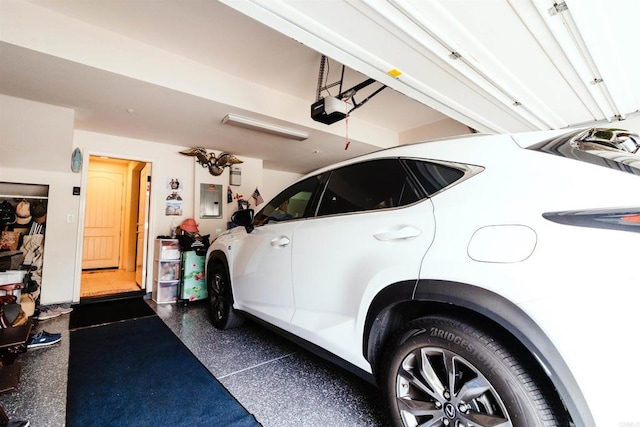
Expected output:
(243, 218)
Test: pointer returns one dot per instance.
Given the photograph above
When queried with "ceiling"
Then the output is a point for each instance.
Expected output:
(488, 65)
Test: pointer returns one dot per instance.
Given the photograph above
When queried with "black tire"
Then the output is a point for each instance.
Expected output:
(444, 372)
(221, 311)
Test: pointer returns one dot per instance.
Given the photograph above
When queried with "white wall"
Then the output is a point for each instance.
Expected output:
(36, 141)
(440, 129)
(35, 135)
(276, 181)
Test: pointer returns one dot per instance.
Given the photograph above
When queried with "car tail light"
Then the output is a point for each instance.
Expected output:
(626, 219)
(631, 218)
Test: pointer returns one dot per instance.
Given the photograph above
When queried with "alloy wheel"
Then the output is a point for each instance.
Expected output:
(437, 387)
(217, 299)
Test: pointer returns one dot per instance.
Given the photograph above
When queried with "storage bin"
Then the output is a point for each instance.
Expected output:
(169, 249)
(165, 292)
(12, 276)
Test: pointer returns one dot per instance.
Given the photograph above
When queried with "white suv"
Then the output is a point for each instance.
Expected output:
(478, 281)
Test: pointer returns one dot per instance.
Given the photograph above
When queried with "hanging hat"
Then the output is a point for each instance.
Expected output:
(39, 211)
(7, 213)
(23, 213)
(190, 225)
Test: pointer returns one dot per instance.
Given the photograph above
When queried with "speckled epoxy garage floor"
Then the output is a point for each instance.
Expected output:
(275, 380)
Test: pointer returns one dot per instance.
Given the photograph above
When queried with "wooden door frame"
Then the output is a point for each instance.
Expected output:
(86, 154)
(143, 186)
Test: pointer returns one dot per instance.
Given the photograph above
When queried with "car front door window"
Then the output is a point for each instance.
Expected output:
(293, 203)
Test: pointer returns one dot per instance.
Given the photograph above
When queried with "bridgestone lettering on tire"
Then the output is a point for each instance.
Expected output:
(440, 371)
(221, 311)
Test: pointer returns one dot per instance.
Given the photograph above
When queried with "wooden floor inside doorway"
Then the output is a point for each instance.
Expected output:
(96, 283)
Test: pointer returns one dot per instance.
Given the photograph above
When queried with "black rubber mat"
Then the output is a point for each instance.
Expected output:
(100, 313)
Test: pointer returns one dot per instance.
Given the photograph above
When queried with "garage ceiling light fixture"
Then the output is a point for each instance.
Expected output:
(248, 123)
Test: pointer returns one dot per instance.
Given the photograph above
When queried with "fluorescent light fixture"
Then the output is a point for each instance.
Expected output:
(248, 123)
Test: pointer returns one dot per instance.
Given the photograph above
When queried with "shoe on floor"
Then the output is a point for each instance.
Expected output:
(50, 313)
(47, 314)
(18, 423)
(64, 310)
(43, 339)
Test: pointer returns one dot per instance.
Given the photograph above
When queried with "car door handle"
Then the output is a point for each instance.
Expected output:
(401, 234)
(280, 242)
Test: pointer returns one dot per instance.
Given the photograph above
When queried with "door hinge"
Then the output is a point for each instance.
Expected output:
(558, 8)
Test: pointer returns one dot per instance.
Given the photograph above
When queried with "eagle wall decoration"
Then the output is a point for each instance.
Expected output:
(208, 160)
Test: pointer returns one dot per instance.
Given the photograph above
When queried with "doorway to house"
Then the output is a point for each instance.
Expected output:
(115, 228)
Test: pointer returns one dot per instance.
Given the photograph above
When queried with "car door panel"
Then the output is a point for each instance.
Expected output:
(374, 224)
(262, 266)
(333, 286)
(262, 272)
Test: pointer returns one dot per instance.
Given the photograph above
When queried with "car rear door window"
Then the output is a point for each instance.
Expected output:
(371, 185)
(433, 177)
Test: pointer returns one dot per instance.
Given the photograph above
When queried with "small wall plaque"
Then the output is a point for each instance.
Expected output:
(235, 175)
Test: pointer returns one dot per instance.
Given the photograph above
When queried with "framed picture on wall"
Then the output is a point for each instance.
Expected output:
(173, 208)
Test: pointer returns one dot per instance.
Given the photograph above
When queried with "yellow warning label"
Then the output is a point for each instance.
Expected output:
(394, 72)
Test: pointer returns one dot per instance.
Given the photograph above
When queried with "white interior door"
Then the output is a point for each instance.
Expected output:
(103, 217)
